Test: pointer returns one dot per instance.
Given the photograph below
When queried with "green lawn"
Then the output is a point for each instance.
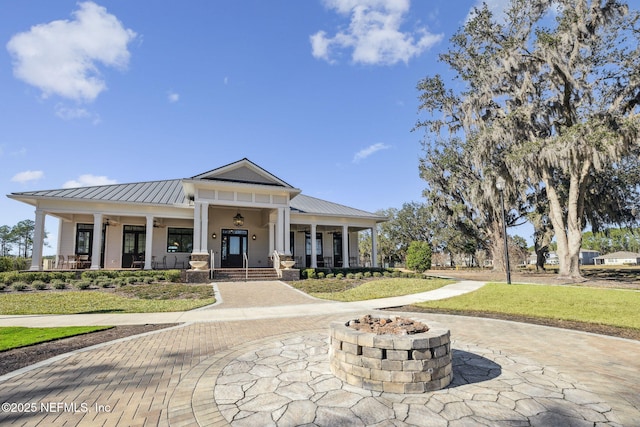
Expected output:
(129, 299)
(347, 291)
(592, 305)
(14, 337)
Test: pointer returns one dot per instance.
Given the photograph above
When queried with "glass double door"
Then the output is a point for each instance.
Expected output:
(133, 244)
(234, 246)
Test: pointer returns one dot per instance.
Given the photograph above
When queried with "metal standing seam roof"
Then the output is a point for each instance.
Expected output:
(167, 192)
(311, 205)
(170, 192)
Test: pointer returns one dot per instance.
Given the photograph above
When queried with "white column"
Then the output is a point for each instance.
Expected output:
(272, 232)
(314, 257)
(148, 245)
(38, 241)
(60, 222)
(97, 241)
(197, 227)
(280, 230)
(287, 231)
(204, 228)
(345, 246)
(374, 246)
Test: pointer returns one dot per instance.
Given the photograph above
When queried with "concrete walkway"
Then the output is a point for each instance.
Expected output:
(266, 365)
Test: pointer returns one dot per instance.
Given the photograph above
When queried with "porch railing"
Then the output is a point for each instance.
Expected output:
(212, 263)
(245, 265)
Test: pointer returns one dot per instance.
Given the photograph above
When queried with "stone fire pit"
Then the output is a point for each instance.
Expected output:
(392, 354)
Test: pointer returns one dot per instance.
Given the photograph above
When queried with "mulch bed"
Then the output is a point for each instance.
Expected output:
(17, 358)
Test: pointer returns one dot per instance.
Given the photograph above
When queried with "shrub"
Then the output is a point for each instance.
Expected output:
(359, 276)
(20, 286)
(39, 285)
(2, 286)
(367, 274)
(58, 284)
(132, 280)
(321, 275)
(377, 274)
(9, 277)
(148, 280)
(330, 276)
(172, 275)
(419, 256)
(82, 284)
(340, 276)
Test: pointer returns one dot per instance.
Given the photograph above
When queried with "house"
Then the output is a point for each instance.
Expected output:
(585, 257)
(588, 256)
(234, 215)
(619, 258)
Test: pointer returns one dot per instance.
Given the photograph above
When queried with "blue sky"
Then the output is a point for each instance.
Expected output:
(320, 93)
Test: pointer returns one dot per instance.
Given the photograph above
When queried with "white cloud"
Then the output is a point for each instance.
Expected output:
(61, 57)
(366, 152)
(373, 35)
(27, 176)
(76, 113)
(173, 97)
(88, 180)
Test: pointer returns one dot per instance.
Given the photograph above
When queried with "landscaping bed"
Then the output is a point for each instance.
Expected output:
(12, 360)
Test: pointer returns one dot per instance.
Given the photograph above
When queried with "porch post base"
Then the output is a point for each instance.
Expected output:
(197, 276)
(290, 274)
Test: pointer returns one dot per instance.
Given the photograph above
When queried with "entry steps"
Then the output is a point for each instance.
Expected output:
(240, 275)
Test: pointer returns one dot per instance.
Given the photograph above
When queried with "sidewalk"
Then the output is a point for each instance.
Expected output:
(258, 305)
(270, 369)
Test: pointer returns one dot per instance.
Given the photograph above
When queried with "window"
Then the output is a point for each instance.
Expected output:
(318, 244)
(180, 240)
(84, 239)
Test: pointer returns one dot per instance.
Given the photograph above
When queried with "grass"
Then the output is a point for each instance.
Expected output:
(611, 307)
(359, 290)
(128, 299)
(15, 337)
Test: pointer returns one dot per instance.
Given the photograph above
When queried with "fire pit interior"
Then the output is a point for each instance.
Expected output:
(387, 325)
(393, 354)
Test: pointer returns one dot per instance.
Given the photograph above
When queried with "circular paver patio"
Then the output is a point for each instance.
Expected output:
(287, 382)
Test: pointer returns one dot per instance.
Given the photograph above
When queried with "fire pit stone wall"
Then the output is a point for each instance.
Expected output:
(391, 363)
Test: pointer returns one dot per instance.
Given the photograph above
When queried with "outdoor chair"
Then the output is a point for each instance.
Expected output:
(72, 261)
(177, 262)
(158, 264)
(84, 261)
(61, 262)
(138, 261)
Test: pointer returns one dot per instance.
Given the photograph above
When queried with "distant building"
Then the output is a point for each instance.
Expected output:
(586, 257)
(619, 258)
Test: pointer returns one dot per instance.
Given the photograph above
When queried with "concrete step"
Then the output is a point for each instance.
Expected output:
(239, 274)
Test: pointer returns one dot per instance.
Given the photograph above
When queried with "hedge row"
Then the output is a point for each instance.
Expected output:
(353, 273)
(9, 277)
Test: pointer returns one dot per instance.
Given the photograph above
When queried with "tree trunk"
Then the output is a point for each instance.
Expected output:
(569, 233)
(497, 247)
(541, 256)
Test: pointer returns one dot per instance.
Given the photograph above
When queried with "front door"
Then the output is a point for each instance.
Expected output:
(337, 249)
(133, 245)
(234, 247)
